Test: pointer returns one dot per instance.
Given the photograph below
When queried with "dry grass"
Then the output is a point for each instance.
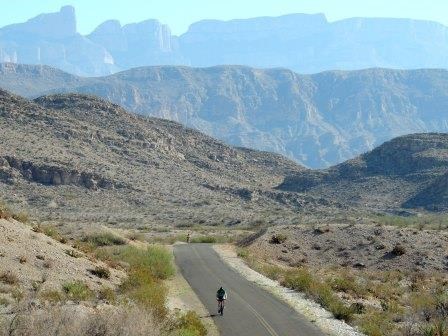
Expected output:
(9, 278)
(83, 321)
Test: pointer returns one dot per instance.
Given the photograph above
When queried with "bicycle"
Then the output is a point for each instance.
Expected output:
(221, 307)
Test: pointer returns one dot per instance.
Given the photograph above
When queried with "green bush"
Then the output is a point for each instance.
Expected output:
(77, 291)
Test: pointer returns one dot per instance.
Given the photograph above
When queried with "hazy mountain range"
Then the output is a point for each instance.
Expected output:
(318, 120)
(301, 42)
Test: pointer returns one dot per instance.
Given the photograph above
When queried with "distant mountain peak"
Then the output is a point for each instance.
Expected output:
(58, 25)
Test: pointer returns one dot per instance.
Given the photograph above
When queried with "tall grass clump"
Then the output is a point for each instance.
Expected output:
(104, 239)
(188, 324)
(157, 259)
(77, 290)
(147, 269)
(302, 280)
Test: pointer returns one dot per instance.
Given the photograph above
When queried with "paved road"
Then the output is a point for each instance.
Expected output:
(250, 310)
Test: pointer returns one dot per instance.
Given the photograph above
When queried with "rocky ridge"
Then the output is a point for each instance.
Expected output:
(318, 120)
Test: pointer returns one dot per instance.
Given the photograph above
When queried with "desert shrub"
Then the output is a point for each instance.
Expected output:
(50, 231)
(107, 294)
(273, 272)
(375, 323)
(204, 239)
(136, 236)
(73, 253)
(52, 296)
(147, 269)
(303, 281)
(77, 290)
(4, 302)
(242, 253)
(22, 259)
(9, 278)
(299, 280)
(189, 324)
(101, 272)
(104, 239)
(348, 284)
(398, 250)
(278, 239)
(21, 217)
(5, 213)
(144, 289)
(18, 294)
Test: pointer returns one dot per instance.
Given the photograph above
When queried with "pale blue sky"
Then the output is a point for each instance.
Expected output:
(179, 14)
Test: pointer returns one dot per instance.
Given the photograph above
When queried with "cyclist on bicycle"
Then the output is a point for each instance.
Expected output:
(221, 297)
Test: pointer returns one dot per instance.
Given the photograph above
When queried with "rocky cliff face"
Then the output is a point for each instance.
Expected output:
(301, 42)
(319, 120)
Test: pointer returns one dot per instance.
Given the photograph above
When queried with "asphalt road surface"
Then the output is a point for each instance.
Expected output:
(250, 310)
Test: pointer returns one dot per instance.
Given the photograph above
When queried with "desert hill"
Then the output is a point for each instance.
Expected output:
(408, 171)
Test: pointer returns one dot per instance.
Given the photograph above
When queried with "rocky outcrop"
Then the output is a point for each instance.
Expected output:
(11, 168)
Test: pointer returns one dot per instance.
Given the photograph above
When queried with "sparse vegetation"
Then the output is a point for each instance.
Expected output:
(188, 324)
(278, 239)
(398, 250)
(77, 291)
(204, 239)
(9, 278)
(52, 296)
(73, 253)
(380, 303)
(101, 272)
(21, 217)
(107, 294)
(104, 239)
(146, 270)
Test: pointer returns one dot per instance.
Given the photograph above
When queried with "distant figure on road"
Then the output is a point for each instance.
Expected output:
(221, 297)
(188, 238)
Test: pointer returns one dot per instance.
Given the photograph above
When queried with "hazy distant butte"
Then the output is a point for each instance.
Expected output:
(301, 42)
